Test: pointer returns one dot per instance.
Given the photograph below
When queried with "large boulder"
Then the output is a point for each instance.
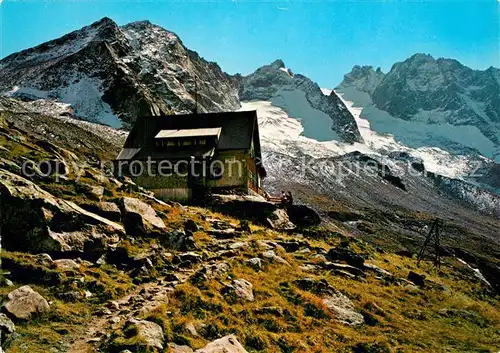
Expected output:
(249, 207)
(66, 265)
(344, 254)
(139, 218)
(279, 220)
(303, 216)
(150, 332)
(108, 210)
(24, 302)
(227, 344)
(343, 309)
(416, 278)
(33, 220)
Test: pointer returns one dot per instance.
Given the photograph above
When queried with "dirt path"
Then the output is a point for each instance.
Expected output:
(113, 314)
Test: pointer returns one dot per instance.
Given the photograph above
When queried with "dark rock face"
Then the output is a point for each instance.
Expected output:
(396, 181)
(488, 175)
(272, 82)
(342, 254)
(416, 278)
(491, 272)
(303, 216)
(380, 168)
(122, 72)
(190, 226)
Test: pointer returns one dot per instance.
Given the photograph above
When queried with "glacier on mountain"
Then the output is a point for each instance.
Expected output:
(424, 101)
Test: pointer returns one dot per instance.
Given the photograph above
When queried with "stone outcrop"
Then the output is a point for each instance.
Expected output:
(176, 348)
(279, 220)
(338, 304)
(108, 210)
(139, 218)
(250, 207)
(227, 344)
(255, 263)
(24, 302)
(257, 209)
(66, 265)
(240, 289)
(33, 220)
(271, 256)
(150, 332)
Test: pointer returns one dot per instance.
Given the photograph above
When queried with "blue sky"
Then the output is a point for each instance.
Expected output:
(322, 40)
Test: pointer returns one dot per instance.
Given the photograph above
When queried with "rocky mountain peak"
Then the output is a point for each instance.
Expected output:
(426, 90)
(359, 72)
(323, 117)
(421, 57)
(146, 27)
(278, 64)
(113, 74)
(141, 24)
(363, 78)
(105, 21)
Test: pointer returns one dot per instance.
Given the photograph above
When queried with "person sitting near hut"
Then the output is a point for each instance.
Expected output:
(283, 197)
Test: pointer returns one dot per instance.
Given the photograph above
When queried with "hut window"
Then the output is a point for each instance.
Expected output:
(187, 143)
(170, 143)
(202, 142)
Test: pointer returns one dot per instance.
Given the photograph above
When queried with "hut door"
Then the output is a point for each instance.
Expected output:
(196, 182)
